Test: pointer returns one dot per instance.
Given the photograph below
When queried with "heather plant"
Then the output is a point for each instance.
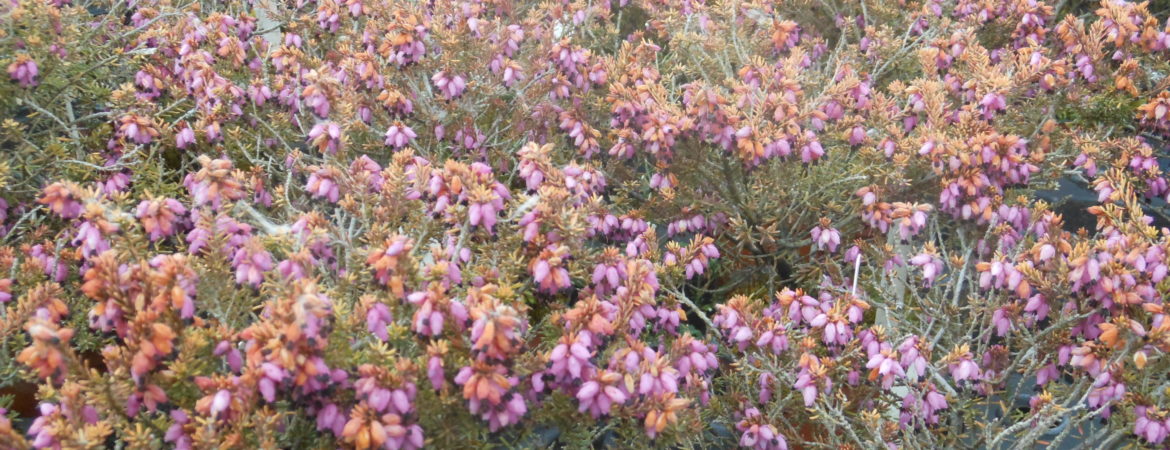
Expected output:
(462, 224)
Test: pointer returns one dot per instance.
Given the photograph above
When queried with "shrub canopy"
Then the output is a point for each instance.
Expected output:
(462, 223)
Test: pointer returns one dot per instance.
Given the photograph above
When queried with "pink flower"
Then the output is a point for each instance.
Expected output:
(534, 163)
(483, 214)
(234, 358)
(315, 98)
(91, 238)
(160, 216)
(570, 358)
(397, 399)
(175, 434)
(658, 377)
(1150, 424)
(377, 318)
(399, 135)
(807, 387)
(62, 199)
(326, 137)
(41, 428)
(913, 363)
(24, 71)
(931, 264)
(490, 400)
(583, 182)
(1085, 69)
(185, 137)
(857, 135)
(220, 402)
(512, 72)
(323, 184)
(514, 35)
(435, 372)
(365, 169)
(700, 252)
(884, 364)
(433, 310)
(774, 340)
(328, 19)
(924, 407)
(1002, 321)
(271, 375)
(811, 151)
(387, 258)
(1037, 304)
(825, 236)
(251, 261)
(117, 182)
(212, 131)
(549, 269)
(695, 223)
(331, 419)
(836, 329)
(296, 267)
(759, 435)
(964, 368)
(5, 290)
(213, 183)
(259, 92)
(695, 355)
(51, 263)
(812, 373)
(992, 103)
(137, 128)
(451, 86)
(599, 395)
(608, 276)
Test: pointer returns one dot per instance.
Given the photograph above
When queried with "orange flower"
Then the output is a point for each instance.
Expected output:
(487, 382)
(664, 413)
(62, 198)
(45, 354)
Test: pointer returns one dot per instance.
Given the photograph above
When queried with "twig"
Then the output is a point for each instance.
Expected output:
(686, 301)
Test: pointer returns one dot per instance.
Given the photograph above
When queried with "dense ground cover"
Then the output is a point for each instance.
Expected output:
(457, 223)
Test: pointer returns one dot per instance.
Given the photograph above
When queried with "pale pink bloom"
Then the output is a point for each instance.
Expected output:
(323, 184)
(435, 372)
(965, 369)
(1153, 430)
(185, 137)
(570, 358)
(811, 151)
(991, 104)
(598, 397)
(377, 318)
(326, 137)
(220, 402)
(825, 237)
(931, 264)
(451, 86)
(251, 261)
(399, 135)
(759, 436)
